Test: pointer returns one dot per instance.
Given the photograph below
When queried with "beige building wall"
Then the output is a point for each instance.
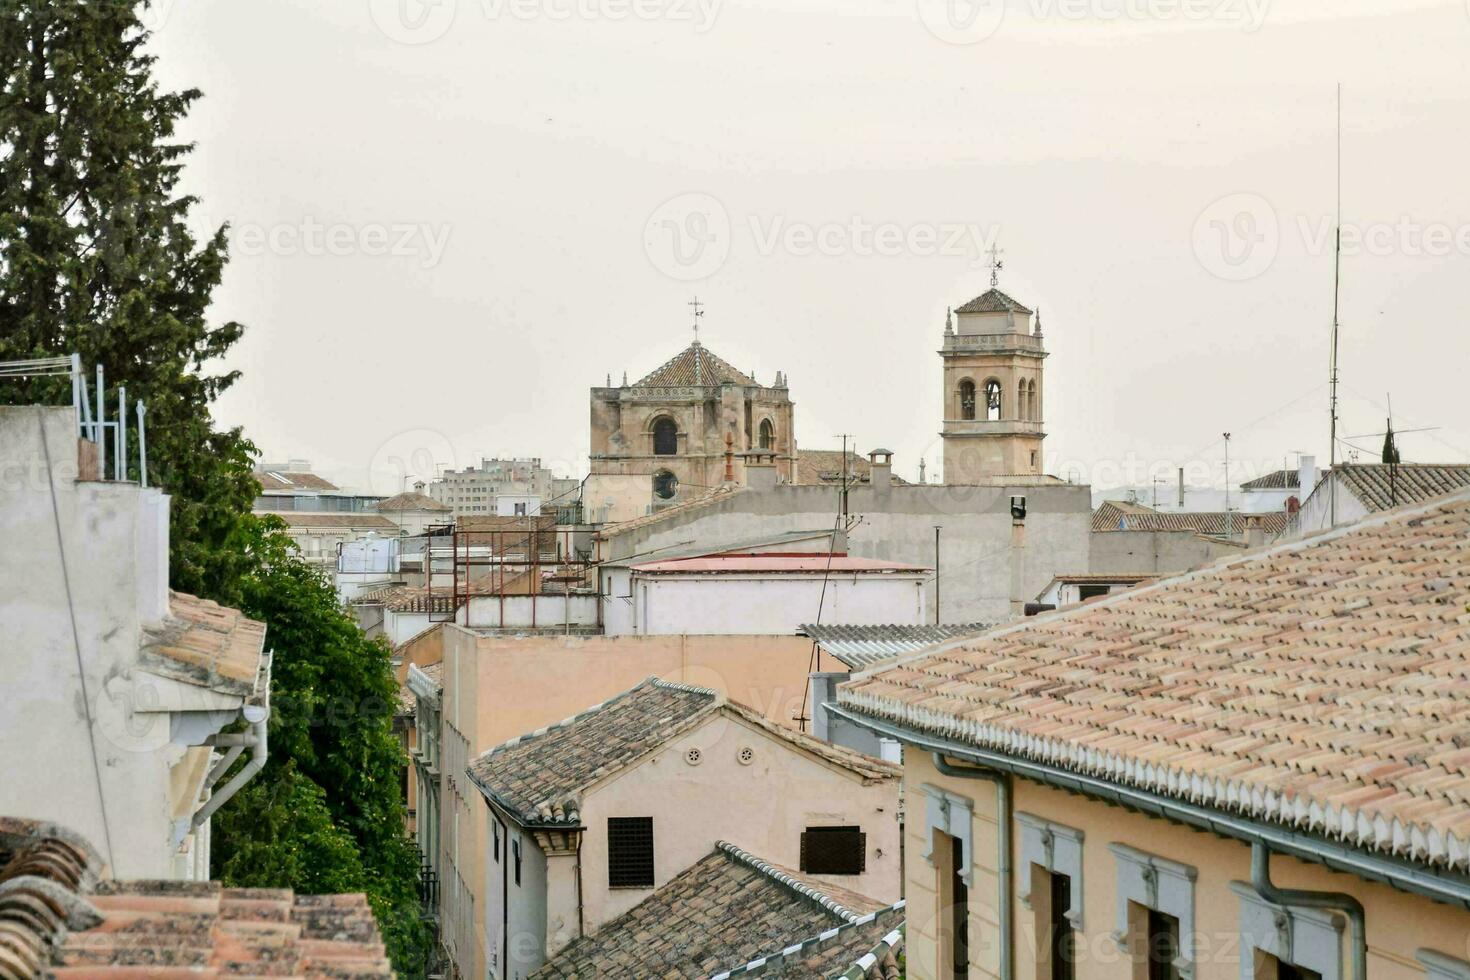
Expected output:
(763, 807)
(1398, 924)
(498, 687)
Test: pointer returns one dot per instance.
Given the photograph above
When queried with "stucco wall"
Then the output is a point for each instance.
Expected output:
(113, 538)
(498, 687)
(779, 604)
(1165, 552)
(1398, 924)
(986, 570)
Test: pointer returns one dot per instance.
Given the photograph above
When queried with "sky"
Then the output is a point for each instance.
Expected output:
(451, 218)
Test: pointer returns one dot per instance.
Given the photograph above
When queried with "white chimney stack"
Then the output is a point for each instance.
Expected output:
(1306, 476)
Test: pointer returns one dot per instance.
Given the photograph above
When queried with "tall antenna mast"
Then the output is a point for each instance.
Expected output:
(1336, 290)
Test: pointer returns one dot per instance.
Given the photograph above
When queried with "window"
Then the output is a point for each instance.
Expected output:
(665, 437)
(515, 847)
(1155, 912)
(967, 399)
(768, 435)
(630, 852)
(520, 510)
(495, 829)
(834, 851)
(1162, 946)
(954, 908)
(1060, 938)
(1288, 942)
(1092, 591)
(665, 484)
(992, 400)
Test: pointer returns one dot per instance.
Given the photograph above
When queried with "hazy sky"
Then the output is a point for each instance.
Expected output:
(451, 219)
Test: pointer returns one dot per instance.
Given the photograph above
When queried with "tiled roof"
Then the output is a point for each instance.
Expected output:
(1279, 480)
(694, 365)
(721, 915)
(668, 513)
(410, 500)
(57, 921)
(337, 519)
(992, 301)
(1122, 578)
(287, 480)
(1412, 483)
(205, 644)
(813, 563)
(862, 646)
(429, 674)
(1322, 684)
(539, 777)
(1119, 515)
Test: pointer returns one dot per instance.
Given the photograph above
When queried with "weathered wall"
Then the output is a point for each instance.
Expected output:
(1164, 552)
(775, 604)
(986, 571)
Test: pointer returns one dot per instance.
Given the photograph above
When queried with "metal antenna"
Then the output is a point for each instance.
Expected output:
(698, 312)
(1332, 363)
(995, 265)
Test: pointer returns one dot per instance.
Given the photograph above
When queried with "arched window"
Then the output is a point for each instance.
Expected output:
(665, 484)
(967, 399)
(1033, 405)
(992, 400)
(665, 437)
(768, 435)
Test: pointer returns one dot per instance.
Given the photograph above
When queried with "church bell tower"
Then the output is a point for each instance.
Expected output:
(993, 359)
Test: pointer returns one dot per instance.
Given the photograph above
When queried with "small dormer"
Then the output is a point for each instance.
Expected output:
(992, 312)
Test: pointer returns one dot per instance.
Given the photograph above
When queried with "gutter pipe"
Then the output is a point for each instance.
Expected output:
(1448, 888)
(1336, 901)
(256, 742)
(1002, 783)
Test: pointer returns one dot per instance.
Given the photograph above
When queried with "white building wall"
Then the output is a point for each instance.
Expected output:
(772, 603)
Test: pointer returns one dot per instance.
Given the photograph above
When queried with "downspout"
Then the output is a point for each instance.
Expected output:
(1337, 901)
(256, 742)
(1003, 847)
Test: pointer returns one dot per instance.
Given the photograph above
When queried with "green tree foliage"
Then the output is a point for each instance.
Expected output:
(97, 258)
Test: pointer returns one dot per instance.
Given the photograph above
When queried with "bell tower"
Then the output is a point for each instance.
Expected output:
(993, 358)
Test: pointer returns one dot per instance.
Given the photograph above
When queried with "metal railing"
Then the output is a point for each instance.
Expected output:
(92, 423)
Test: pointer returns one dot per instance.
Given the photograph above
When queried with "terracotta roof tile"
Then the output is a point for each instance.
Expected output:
(992, 301)
(727, 910)
(1119, 515)
(694, 365)
(1320, 684)
(58, 921)
(1408, 483)
(409, 500)
(203, 643)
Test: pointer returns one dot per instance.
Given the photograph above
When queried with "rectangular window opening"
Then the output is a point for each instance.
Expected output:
(630, 852)
(834, 851)
(1059, 932)
(1163, 946)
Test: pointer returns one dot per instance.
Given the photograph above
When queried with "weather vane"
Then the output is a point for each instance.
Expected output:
(995, 265)
(698, 312)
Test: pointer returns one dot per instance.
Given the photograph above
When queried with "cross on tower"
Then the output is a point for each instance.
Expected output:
(995, 265)
(698, 312)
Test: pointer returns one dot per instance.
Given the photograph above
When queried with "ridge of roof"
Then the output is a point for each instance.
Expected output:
(885, 952)
(695, 365)
(411, 500)
(713, 496)
(804, 888)
(807, 946)
(560, 805)
(992, 301)
(1397, 811)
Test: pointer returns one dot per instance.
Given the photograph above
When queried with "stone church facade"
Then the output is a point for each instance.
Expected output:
(673, 424)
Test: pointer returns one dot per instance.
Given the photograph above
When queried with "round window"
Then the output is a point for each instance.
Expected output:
(665, 484)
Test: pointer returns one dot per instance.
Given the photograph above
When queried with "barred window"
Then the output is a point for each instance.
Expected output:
(834, 851)
(630, 852)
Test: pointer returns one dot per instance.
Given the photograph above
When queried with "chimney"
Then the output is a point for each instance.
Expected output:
(1306, 476)
(1181, 488)
(880, 462)
(760, 470)
(1255, 533)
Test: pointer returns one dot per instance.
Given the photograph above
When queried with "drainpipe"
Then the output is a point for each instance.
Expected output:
(255, 741)
(1337, 901)
(1003, 818)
